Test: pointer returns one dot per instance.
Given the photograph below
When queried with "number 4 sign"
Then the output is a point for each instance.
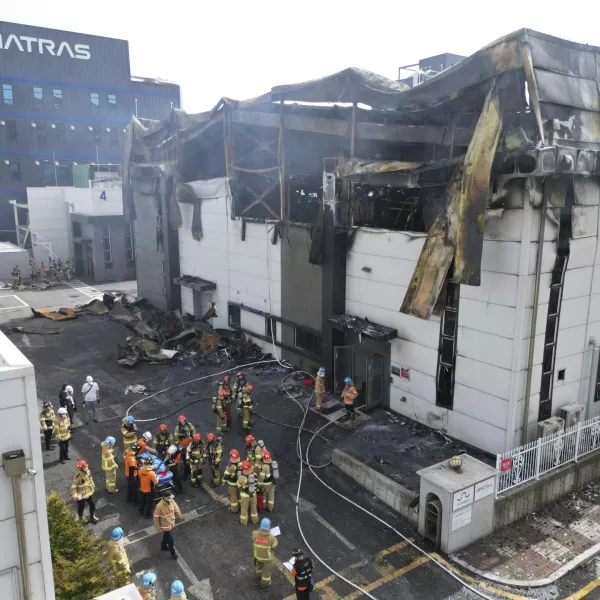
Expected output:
(103, 196)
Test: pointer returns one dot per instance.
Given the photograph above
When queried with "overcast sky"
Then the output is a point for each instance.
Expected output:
(241, 49)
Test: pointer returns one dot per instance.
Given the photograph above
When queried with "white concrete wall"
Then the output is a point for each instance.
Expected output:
(90, 202)
(19, 407)
(239, 268)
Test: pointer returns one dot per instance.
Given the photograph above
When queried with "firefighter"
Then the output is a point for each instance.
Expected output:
(129, 433)
(59, 270)
(267, 480)
(62, 427)
(148, 481)
(82, 491)
(65, 398)
(53, 269)
(348, 396)
(214, 454)
(196, 458)
(302, 574)
(183, 437)
(42, 272)
(239, 385)
(258, 455)
(117, 555)
(47, 418)
(68, 270)
(32, 271)
(165, 513)
(247, 492)
(16, 276)
(145, 441)
(146, 590)
(172, 463)
(251, 447)
(247, 407)
(230, 477)
(109, 464)
(162, 441)
(131, 472)
(220, 412)
(320, 388)
(177, 591)
(264, 542)
(225, 391)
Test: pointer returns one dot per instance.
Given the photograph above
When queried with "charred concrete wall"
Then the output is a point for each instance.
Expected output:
(118, 269)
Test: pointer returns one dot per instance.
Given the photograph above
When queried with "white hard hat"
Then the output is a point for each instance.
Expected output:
(147, 436)
(172, 449)
(69, 389)
(261, 443)
(62, 411)
(89, 379)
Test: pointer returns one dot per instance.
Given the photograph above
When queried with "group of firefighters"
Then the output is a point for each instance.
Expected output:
(59, 271)
(251, 482)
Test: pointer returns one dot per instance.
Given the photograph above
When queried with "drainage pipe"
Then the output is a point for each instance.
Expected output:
(20, 519)
(534, 314)
(595, 344)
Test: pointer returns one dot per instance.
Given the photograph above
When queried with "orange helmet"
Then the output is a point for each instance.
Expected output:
(181, 418)
(197, 437)
(266, 456)
(249, 439)
(239, 374)
(234, 456)
(226, 378)
(82, 465)
(163, 428)
(246, 466)
(210, 437)
(249, 387)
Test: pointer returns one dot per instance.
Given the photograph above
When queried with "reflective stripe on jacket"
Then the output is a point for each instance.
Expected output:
(320, 385)
(117, 554)
(148, 478)
(47, 419)
(131, 466)
(164, 515)
(83, 485)
(349, 394)
(108, 458)
(62, 427)
(264, 544)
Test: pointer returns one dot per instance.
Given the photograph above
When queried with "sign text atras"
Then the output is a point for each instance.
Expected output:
(24, 43)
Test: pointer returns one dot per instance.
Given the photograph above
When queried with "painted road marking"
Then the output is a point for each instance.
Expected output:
(306, 506)
(200, 589)
(85, 289)
(224, 501)
(12, 306)
(584, 591)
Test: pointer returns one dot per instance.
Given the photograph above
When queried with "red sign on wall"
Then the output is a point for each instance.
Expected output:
(505, 464)
(405, 373)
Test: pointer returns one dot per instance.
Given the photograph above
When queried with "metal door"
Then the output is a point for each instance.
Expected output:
(343, 366)
(374, 382)
(433, 522)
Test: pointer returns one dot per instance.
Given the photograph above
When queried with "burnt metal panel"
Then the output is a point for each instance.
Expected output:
(574, 124)
(568, 90)
(475, 191)
(560, 58)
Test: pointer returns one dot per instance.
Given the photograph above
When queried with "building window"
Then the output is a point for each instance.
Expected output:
(129, 245)
(11, 130)
(57, 98)
(38, 96)
(61, 134)
(235, 317)
(95, 101)
(15, 169)
(40, 133)
(112, 103)
(7, 93)
(97, 134)
(108, 264)
(447, 347)
(307, 341)
(270, 328)
(113, 137)
(64, 172)
(76, 229)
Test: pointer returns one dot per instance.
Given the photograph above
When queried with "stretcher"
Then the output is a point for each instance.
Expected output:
(165, 477)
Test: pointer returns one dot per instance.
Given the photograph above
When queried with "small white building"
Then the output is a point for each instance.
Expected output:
(20, 414)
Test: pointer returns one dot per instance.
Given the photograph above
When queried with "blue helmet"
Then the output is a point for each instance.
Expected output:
(176, 588)
(110, 441)
(130, 419)
(117, 533)
(348, 380)
(321, 371)
(265, 523)
(148, 580)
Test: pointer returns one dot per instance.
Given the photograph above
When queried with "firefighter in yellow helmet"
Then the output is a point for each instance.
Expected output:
(213, 453)
(118, 556)
(247, 407)
(219, 410)
(230, 477)
(109, 464)
(264, 542)
(267, 480)
(47, 418)
(82, 491)
(247, 491)
(196, 460)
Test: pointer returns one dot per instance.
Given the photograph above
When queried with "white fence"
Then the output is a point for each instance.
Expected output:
(528, 462)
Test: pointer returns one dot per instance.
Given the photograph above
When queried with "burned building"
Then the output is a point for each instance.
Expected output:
(439, 244)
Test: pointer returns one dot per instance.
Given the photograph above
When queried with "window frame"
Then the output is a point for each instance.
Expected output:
(15, 162)
(57, 99)
(308, 342)
(41, 133)
(112, 106)
(95, 106)
(97, 134)
(60, 132)
(39, 102)
(271, 323)
(129, 245)
(12, 134)
(107, 246)
(234, 316)
(8, 87)
(77, 229)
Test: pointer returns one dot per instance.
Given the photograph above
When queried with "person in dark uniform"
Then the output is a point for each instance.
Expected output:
(302, 574)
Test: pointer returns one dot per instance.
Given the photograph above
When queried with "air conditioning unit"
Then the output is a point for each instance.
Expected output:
(572, 414)
(550, 426)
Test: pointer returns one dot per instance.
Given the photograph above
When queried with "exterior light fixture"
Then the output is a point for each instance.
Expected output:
(455, 463)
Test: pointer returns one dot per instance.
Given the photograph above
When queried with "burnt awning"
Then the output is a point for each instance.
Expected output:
(379, 333)
(195, 283)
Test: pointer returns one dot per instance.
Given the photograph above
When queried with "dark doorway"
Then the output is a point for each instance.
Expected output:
(78, 259)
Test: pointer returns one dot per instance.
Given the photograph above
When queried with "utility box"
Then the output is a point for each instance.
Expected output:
(456, 506)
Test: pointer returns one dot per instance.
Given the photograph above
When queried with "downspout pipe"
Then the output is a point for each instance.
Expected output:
(534, 314)
(595, 344)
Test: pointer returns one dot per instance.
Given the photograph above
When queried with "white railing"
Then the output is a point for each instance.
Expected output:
(528, 462)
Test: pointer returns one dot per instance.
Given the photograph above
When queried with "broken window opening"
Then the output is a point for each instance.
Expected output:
(447, 347)
(235, 316)
(305, 197)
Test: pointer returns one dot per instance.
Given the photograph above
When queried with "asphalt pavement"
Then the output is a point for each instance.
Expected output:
(215, 550)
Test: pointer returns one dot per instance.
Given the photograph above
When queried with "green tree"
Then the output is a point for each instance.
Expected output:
(81, 570)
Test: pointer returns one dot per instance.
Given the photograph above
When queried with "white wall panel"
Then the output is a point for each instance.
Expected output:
(420, 384)
(578, 282)
(414, 356)
(393, 244)
(475, 432)
(574, 311)
(418, 409)
(489, 318)
(498, 288)
(500, 257)
(570, 341)
(375, 293)
(484, 347)
(483, 407)
(396, 271)
(482, 377)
